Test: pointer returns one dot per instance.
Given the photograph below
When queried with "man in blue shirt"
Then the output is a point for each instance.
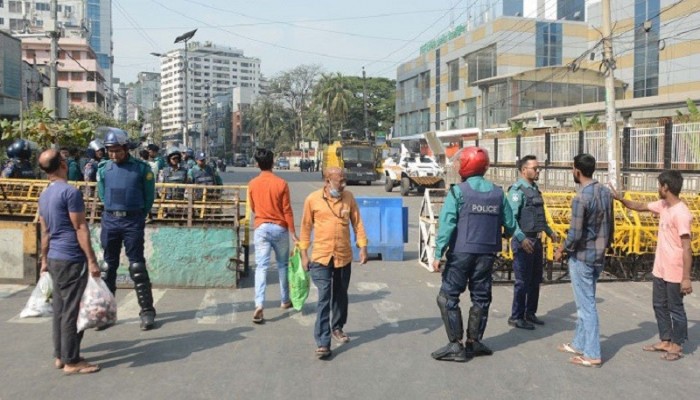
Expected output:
(469, 231)
(528, 257)
(590, 234)
(65, 246)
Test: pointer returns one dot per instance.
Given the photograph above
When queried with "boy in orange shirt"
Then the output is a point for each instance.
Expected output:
(274, 221)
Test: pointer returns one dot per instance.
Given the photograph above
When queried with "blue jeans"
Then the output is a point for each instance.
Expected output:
(583, 280)
(269, 237)
(528, 277)
(332, 284)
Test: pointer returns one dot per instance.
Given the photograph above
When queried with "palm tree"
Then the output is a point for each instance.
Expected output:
(334, 97)
(263, 120)
(583, 123)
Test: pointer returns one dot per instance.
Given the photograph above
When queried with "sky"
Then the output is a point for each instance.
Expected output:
(339, 35)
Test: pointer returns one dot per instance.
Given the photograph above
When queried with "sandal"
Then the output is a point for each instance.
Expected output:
(286, 305)
(568, 348)
(585, 362)
(59, 364)
(323, 352)
(258, 316)
(653, 347)
(82, 367)
(672, 356)
(340, 336)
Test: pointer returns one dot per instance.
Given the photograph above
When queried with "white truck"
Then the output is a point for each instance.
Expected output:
(413, 172)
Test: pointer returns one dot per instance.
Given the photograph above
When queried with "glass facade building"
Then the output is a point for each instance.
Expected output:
(483, 11)
(548, 43)
(646, 48)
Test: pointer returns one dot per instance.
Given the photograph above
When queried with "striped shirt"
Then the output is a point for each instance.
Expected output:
(592, 224)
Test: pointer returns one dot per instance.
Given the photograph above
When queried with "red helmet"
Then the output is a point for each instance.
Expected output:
(472, 161)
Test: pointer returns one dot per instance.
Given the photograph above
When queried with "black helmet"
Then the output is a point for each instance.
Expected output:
(19, 149)
(189, 152)
(114, 136)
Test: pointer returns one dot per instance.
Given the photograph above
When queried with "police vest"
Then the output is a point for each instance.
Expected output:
(531, 218)
(123, 186)
(174, 176)
(203, 176)
(479, 223)
(21, 169)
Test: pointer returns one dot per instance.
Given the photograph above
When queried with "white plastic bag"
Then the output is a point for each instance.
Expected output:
(98, 308)
(39, 303)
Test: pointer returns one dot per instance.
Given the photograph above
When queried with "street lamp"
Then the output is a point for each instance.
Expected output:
(184, 38)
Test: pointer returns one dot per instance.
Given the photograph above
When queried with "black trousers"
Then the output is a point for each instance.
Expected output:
(669, 310)
(69, 281)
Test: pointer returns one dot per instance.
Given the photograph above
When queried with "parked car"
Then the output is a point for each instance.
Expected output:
(282, 163)
(240, 163)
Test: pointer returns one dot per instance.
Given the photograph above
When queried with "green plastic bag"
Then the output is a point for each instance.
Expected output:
(298, 280)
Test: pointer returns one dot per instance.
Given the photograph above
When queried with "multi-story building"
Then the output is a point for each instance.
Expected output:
(143, 96)
(213, 70)
(10, 75)
(86, 19)
(493, 68)
(243, 140)
(79, 71)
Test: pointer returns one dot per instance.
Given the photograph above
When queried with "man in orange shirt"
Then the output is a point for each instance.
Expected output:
(328, 212)
(274, 221)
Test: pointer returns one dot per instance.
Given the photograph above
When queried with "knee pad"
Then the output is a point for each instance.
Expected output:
(138, 272)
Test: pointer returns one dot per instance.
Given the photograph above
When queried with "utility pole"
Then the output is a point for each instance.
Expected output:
(53, 61)
(611, 114)
(364, 103)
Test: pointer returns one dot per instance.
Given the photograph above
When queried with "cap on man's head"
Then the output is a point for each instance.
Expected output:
(153, 147)
(201, 156)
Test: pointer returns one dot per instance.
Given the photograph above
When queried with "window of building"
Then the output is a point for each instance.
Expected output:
(646, 49)
(14, 6)
(2, 20)
(469, 114)
(42, 6)
(38, 23)
(481, 64)
(76, 76)
(425, 85)
(16, 24)
(453, 75)
(548, 44)
(452, 115)
(76, 97)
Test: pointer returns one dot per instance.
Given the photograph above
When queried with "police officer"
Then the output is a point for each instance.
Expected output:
(528, 209)
(126, 187)
(203, 174)
(188, 158)
(155, 156)
(470, 232)
(96, 152)
(174, 172)
(18, 166)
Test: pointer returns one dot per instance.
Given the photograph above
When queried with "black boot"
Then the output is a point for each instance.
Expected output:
(453, 351)
(475, 331)
(148, 320)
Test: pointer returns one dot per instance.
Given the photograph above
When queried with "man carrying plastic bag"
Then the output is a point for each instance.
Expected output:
(65, 248)
(298, 281)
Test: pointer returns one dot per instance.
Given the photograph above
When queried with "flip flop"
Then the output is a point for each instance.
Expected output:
(323, 352)
(579, 360)
(672, 356)
(568, 348)
(653, 348)
(82, 367)
(59, 364)
(258, 316)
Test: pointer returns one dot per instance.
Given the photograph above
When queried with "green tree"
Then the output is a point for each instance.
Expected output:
(583, 123)
(293, 89)
(333, 95)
